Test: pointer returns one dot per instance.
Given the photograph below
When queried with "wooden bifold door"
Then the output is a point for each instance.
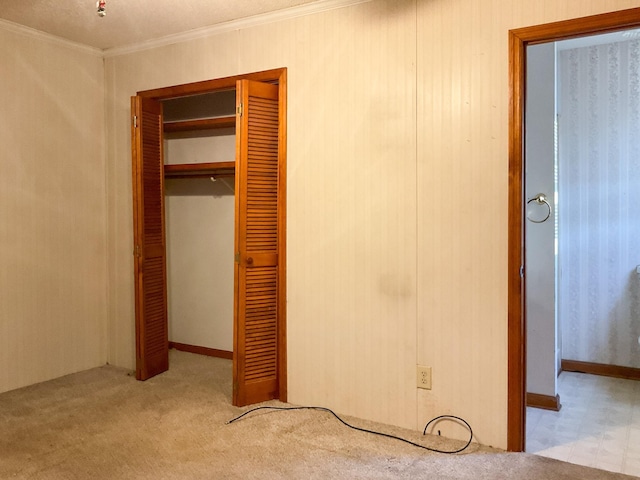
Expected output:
(259, 348)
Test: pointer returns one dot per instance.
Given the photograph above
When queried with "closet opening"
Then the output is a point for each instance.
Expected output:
(209, 184)
(199, 170)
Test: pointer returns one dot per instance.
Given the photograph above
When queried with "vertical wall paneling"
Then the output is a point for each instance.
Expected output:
(461, 212)
(397, 197)
(351, 164)
(53, 284)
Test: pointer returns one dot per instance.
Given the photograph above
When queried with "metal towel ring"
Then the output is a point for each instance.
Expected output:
(540, 199)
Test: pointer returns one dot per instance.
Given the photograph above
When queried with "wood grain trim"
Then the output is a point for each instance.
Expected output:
(580, 27)
(602, 369)
(194, 170)
(207, 86)
(518, 40)
(282, 237)
(546, 402)
(209, 352)
(201, 124)
(136, 111)
(516, 409)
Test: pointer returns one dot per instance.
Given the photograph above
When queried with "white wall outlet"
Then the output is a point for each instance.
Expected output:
(424, 377)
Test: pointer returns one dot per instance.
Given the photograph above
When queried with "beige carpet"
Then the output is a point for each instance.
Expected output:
(103, 424)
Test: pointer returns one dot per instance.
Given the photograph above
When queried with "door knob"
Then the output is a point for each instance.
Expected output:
(249, 260)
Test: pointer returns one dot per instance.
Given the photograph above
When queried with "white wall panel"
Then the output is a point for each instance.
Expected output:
(52, 210)
(397, 197)
(351, 241)
(462, 125)
(200, 219)
(351, 215)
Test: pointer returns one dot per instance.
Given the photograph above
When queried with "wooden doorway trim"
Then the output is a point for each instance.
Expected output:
(278, 77)
(518, 41)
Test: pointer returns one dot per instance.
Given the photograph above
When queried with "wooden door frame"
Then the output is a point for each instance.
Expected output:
(276, 76)
(519, 39)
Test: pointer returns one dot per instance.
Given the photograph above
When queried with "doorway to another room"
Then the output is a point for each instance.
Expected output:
(532, 206)
(581, 252)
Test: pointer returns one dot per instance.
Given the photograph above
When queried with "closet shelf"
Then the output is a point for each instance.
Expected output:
(200, 124)
(195, 170)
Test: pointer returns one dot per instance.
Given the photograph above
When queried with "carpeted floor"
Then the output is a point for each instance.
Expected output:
(103, 424)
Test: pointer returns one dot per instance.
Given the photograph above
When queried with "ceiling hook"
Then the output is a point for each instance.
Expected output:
(100, 5)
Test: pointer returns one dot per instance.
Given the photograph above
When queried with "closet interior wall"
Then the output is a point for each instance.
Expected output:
(199, 213)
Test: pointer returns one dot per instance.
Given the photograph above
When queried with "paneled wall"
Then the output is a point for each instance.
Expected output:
(53, 284)
(462, 199)
(397, 197)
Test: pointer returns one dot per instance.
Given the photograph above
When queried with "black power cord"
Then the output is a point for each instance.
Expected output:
(323, 409)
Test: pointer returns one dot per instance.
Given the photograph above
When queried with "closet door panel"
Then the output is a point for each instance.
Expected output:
(257, 201)
(152, 345)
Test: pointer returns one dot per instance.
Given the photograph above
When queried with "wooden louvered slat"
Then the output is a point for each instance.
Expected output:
(152, 356)
(154, 306)
(256, 376)
(261, 326)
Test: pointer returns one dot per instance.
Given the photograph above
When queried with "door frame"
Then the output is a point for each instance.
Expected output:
(276, 76)
(519, 39)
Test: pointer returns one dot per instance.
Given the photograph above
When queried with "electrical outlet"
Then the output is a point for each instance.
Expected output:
(424, 377)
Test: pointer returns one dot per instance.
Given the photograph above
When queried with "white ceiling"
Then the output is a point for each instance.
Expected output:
(130, 22)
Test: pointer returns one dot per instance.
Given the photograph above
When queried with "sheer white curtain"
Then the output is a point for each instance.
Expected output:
(599, 203)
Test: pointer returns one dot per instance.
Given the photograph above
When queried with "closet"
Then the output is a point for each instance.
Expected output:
(199, 170)
(209, 227)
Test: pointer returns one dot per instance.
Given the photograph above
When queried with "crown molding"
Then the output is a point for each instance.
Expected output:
(234, 25)
(33, 33)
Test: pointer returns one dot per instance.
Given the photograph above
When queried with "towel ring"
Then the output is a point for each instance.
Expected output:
(540, 199)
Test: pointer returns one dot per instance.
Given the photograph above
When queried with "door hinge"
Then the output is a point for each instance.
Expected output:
(521, 271)
(135, 121)
(239, 109)
(136, 251)
(237, 257)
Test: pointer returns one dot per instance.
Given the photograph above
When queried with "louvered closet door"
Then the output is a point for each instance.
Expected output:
(152, 345)
(257, 197)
